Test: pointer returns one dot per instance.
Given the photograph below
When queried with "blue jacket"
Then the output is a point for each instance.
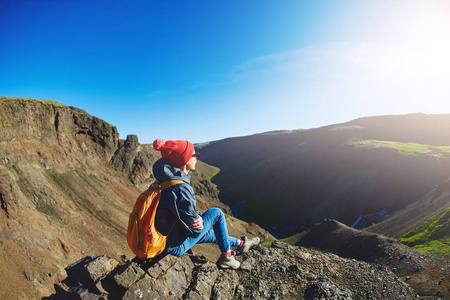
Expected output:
(177, 207)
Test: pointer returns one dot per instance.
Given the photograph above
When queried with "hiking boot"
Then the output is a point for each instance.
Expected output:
(226, 262)
(248, 243)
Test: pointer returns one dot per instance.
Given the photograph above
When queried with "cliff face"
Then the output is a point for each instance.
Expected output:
(59, 133)
(59, 198)
(66, 190)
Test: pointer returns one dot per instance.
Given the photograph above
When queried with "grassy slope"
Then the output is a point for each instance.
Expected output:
(208, 170)
(433, 235)
(405, 148)
(291, 240)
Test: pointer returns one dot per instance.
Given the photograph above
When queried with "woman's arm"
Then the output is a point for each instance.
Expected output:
(184, 208)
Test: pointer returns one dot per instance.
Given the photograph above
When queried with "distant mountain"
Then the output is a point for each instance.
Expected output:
(359, 172)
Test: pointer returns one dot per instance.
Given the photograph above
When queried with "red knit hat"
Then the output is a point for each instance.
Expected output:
(176, 153)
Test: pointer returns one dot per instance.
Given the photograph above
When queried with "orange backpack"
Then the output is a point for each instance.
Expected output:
(142, 237)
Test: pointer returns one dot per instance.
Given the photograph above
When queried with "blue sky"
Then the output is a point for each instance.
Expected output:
(207, 70)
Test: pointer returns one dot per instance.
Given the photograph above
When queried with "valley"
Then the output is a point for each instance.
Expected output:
(367, 167)
(68, 183)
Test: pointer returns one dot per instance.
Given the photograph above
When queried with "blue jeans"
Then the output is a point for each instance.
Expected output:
(214, 218)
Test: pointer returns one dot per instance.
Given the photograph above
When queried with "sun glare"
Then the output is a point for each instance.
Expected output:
(428, 39)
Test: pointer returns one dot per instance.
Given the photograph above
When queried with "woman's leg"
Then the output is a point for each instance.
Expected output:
(219, 233)
(214, 218)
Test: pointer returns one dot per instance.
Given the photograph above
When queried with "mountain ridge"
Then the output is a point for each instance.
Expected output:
(334, 164)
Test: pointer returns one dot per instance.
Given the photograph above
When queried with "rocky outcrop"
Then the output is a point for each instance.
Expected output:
(279, 272)
(48, 131)
(99, 131)
(135, 161)
(423, 272)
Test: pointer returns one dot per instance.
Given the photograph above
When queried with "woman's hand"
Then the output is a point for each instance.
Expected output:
(197, 224)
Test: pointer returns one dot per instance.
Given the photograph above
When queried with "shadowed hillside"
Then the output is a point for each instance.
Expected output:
(362, 170)
(414, 215)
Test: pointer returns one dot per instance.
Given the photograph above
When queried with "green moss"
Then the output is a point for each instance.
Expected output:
(291, 240)
(43, 101)
(109, 165)
(434, 246)
(267, 244)
(405, 148)
(58, 180)
(79, 113)
(433, 235)
(211, 177)
(124, 154)
(16, 169)
(294, 239)
(45, 208)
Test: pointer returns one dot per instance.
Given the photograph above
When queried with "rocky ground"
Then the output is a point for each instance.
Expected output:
(428, 275)
(279, 272)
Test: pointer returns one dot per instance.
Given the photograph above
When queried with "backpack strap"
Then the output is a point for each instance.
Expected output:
(164, 185)
(169, 183)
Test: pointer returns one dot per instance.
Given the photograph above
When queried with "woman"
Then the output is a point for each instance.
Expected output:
(177, 215)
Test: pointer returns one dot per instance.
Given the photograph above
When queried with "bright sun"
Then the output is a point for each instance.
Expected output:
(428, 39)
